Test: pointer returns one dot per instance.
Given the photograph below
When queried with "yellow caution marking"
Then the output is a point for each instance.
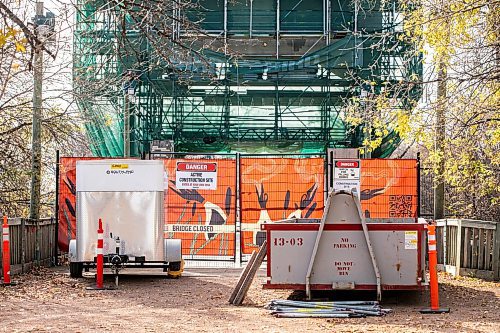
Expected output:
(119, 166)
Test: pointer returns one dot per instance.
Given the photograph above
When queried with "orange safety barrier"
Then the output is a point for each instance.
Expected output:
(270, 189)
(203, 218)
(434, 287)
(6, 253)
(67, 200)
(100, 257)
(189, 214)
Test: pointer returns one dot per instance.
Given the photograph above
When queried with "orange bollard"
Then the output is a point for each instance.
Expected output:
(100, 257)
(100, 261)
(6, 253)
(434, 286)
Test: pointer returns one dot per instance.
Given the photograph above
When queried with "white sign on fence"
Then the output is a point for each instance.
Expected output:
(200, 228)
(346, 175)
(196, 176)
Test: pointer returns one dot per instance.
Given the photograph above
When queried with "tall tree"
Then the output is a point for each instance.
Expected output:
(460, 38)
(60, 124)
(456, 123)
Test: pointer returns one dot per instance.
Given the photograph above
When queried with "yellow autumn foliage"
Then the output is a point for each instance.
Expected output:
(460, 37)
(13, 38)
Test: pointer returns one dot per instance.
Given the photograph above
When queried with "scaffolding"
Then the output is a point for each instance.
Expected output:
(263, 76)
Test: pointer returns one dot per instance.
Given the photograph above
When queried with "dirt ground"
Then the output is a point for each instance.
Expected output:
(48, 300)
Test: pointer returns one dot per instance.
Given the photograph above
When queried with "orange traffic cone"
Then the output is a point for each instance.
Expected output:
(431, 238)
(6, 254)
(100, 261)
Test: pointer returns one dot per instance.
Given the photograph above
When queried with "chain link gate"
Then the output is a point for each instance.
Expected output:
(200, 204)
(278, 187)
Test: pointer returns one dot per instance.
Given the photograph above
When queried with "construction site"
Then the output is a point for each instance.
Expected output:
(242, 171)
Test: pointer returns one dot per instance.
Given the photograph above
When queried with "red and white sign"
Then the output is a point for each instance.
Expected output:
(346, 175)
(196, 176)
(190, 166)
(347, 164)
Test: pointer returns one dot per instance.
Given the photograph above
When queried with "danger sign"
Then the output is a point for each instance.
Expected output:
(346, 175)
(196, 176)
(205, 167)
(347, 164)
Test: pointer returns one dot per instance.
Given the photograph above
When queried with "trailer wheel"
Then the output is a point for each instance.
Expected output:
(174, 266)
(175, 269)
(75, 269)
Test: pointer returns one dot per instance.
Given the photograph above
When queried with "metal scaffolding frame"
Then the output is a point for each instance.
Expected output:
(279, 83)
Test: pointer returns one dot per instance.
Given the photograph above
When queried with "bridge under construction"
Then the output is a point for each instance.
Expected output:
(244, 75)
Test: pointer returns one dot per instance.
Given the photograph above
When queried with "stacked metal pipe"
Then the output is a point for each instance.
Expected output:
(347, 309)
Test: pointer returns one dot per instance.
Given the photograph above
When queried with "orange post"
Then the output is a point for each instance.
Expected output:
(100, 257)
(6, 252)
(100, 261)
(434, 286)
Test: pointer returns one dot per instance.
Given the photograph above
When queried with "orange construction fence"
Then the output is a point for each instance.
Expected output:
(270, 189)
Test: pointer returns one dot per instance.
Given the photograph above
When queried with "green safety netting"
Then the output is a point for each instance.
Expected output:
(237, 102)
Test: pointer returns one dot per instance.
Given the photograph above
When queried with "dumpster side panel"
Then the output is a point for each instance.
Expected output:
(343, 255)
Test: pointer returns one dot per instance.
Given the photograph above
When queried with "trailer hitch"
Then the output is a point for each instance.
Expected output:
(117, 260)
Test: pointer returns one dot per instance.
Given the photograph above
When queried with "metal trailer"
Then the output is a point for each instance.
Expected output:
(128, 195)
(342, 251)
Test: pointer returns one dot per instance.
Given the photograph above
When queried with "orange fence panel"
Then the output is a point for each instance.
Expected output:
(204, 219)
(67, 199)
(389, 188)
(278, 188)
(271, 189)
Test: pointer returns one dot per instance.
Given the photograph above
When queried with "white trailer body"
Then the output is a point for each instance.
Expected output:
(128, 195)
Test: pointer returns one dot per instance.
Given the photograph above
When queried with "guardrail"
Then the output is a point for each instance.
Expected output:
(32, 243)
(469, 248)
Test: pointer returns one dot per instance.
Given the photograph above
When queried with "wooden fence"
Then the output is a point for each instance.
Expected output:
(32, 243)
(469, 248)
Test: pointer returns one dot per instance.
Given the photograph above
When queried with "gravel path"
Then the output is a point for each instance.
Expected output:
(48, 300)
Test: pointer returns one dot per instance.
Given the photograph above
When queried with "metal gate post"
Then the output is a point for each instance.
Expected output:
(329, 169)
(418, 185)
(326, 177)
(237, 227)
(56, 231)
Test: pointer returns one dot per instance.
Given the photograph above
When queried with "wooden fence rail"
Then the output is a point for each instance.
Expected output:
(32, 243)
(469, 247)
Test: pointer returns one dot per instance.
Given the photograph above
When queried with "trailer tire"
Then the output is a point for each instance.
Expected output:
(75, 269)
(174, 266)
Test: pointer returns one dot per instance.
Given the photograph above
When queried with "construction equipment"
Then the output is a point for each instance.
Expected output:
(247, 275)
(128, 195)
(347, 309)
(343, 251)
